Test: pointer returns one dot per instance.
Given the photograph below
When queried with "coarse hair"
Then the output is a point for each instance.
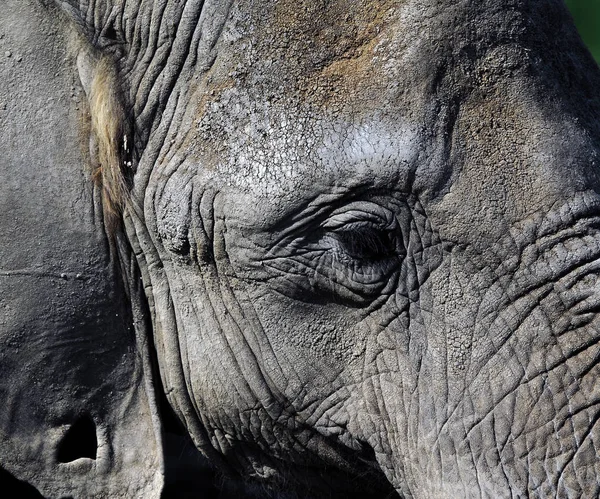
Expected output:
(111, 128)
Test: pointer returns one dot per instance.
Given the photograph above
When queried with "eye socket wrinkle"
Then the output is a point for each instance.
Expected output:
(347, 254)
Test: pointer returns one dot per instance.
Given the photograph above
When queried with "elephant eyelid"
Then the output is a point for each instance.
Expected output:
(370, 213)
(365, 232)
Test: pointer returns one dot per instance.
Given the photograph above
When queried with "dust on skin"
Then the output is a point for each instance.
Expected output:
(322, 53)
(329, 48)
(285, 70)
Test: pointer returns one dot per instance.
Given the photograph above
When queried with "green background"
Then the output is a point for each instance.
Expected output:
(587, 19)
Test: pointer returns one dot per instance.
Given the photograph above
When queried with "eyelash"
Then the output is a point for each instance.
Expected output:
(365, 242)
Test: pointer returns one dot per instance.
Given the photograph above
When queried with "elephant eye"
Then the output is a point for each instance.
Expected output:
(365, 236)
(356, 253)
(352, 255)
(366, 243)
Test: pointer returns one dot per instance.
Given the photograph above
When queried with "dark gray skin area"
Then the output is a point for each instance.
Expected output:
(82, 415)
(368, 234)
(77, 417)
(78, 413)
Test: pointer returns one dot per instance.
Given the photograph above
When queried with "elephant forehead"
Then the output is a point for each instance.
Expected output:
(332, 53)
(304, 91)
(275, 155)
(352, 55)
(302, 99)
(302, 94)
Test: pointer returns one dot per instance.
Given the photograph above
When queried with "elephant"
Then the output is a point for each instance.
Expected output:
(359, 240)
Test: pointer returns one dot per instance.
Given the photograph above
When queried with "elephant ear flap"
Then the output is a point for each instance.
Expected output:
(111, 137)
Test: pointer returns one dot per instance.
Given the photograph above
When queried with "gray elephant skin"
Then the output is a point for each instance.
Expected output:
(355, 245)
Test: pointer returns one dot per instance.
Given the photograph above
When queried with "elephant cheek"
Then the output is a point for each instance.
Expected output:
(506, 383)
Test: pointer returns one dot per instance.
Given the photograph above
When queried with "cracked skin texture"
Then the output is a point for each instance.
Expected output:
(450, 118)
(369, 239)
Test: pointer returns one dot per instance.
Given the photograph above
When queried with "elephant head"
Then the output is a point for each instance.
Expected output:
(368, 234)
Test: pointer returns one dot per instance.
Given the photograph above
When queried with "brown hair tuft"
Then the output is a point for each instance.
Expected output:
(111, 129)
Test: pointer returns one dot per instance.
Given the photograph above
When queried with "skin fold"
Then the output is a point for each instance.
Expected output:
(368, 235)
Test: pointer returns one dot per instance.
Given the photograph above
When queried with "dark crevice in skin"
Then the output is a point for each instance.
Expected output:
(80, 441)
(302, 481)
(176, 443)
(186, 470)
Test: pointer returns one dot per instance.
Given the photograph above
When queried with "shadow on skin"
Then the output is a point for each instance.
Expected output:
(20, 489)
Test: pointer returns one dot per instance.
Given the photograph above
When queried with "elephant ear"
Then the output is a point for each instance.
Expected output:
(78, 416)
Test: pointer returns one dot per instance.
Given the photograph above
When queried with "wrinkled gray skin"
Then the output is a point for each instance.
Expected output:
(76, 418)
(369, 238)
(79, 416)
